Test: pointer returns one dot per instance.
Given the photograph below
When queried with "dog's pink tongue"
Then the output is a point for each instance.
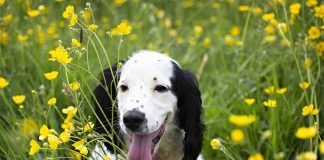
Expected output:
(140, 148)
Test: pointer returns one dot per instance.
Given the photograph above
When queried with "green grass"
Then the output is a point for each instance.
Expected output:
(226, 74)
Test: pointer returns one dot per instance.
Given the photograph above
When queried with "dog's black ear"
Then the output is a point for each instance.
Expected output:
(106, 107)
(189, 112)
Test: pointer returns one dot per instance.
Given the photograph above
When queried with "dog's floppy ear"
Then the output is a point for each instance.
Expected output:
(106, 107)
(189, 112)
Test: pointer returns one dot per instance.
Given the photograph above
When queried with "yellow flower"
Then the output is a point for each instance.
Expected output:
(7, 19)
(75, 43)
(32, 13)
(60, 55)
(51, 75)
(79, 145)
(319, 48)
(319, 11)
(64, 136)
(122, 29)
(257, 10)
(269, 29)
(244, 8)
(76, 155)
(19, 99)
(3, 83)
(51, 101)
(2, 2)
(42, 9)
(88, 127)
(206, 42)
(229, 40)
(314, 32)
(106, 157)
(308, 110)
(119, 2)
(270, 38)
(215, 144)
(294, 8)
(242, 120)
(269, 90)
(321, 147)
(73, 20)
(249, 101)
(282, 27)
(198, 30)
(22, 38)
(306, 133)
(69, 11)
(270, 103)
(28, 126)
(307, 63)
(44, 132)
(68, 126)
(74, 86)
(70, 110)
(256, 156)
(311, 3)
(235, 31)
(307, 156)
(237, 135)
(281, 90)
(34, 147)
(3, 37)
(268, 17)
(304, 85)
(53, 141)
(93, 27)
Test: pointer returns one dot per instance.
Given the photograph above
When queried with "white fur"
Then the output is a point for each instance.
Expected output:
(138, 74)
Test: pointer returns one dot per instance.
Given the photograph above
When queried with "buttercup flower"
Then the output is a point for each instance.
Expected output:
(249, 101)
(64, 136)
(74, 86)
(75, 43)
(307, 110)
(53, 141)
(268, 17)
(51, 75)
(106, 157)
(34, 147)
(244, 8)
(237, 136)
(3, 83)
(294, 8)
(281, 90)
(88, 127)
(311, 3)
(307, 156)
(67, 126)
(271, 103)
(33, 13)
(122, 29)
(52, 101)
(19, 99)
(60, 55)
(197, 30)
(269, 90)
(306, 133)
(314, 32)
(119, 2)
(79, 145)
(304, 85)
(93, 27)
(242, 120)
(256, 156)
(70, 110)
(321, 147)
(44, 132)
(319, 11)
(235, 31)
(215, 144)
(69, 11)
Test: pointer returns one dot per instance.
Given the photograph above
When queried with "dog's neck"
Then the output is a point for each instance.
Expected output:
(171, 144)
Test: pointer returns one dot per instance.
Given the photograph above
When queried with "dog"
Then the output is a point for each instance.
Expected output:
(151, 106)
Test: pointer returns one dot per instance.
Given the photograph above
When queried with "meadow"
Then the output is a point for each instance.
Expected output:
(259, 65)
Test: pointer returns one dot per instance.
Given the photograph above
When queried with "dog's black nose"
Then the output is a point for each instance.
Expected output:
(133, 120)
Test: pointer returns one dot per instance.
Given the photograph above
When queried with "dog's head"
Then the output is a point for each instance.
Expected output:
(152, 92)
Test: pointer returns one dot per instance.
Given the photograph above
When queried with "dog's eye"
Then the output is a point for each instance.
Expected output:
(123, 88)
(160, 88)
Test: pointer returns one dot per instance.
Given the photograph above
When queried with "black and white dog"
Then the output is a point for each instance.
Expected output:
(155, 110)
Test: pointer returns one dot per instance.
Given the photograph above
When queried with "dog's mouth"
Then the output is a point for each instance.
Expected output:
(142, 146)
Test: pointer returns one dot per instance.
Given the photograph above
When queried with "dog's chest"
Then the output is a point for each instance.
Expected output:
(171, 145)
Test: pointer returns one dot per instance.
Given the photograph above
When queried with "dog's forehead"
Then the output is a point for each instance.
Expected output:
(147, 65)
